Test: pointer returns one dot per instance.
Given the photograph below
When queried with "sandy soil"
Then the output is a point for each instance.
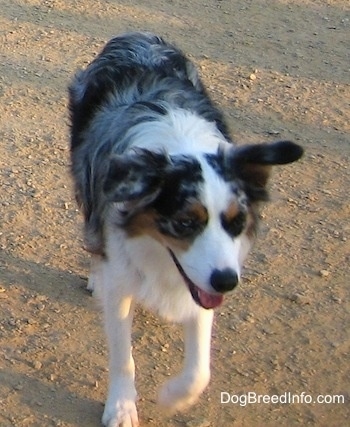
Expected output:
(280, 69)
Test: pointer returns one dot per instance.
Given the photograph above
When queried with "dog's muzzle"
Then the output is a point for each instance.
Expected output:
(202, 298)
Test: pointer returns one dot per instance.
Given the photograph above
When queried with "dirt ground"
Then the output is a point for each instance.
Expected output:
(280, 69)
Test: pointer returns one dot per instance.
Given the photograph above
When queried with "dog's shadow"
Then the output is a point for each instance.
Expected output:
(55, 284)
(25, 344)
(45, 402)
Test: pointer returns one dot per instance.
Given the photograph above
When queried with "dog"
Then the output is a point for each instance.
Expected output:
(170, 204)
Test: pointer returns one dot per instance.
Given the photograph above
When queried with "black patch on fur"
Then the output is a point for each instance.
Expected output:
(181, 185)
(230, 174)
(105, 79)
(135, 175)
(215, 161)
(152, 106)
(236, 225)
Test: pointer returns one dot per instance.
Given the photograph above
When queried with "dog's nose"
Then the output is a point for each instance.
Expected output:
(224, 280)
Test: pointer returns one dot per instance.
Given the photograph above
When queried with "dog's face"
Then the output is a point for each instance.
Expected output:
(202, 208)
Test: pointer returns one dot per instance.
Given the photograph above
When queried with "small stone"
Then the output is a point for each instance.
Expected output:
(324, 273)
(300, 299)
(276, 365)
(37, 365)
(249, 318)
(252, 77)
(165, 348)
(335, 344)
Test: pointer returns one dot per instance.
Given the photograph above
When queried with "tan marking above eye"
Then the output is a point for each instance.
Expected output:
(195, 211)
(231, 212)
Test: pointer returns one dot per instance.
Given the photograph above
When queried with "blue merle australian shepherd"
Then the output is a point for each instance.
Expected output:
(170, 204)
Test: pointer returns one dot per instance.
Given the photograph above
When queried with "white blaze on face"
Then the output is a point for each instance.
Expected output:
(214, 248)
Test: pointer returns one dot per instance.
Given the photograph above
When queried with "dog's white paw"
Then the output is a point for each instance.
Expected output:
(181, 392)
(121, 413)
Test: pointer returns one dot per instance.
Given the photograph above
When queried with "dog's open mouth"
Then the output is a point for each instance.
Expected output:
(201, 297)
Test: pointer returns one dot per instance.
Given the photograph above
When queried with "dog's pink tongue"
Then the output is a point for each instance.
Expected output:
(209, 300)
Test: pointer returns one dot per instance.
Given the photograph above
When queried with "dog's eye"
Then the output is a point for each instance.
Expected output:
(236, 225)
(185, 226)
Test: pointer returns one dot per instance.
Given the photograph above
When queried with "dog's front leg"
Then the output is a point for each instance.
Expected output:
(120, 409)
(95, 273)
(183, 390)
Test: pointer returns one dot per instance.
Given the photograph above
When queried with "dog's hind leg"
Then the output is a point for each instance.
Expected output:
(120, 408)
(183, 390)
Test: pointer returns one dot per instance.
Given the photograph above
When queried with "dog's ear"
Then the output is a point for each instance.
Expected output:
(252, 163)
(135, 176)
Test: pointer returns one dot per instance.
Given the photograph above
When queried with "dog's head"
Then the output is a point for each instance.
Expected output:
(201, 207)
